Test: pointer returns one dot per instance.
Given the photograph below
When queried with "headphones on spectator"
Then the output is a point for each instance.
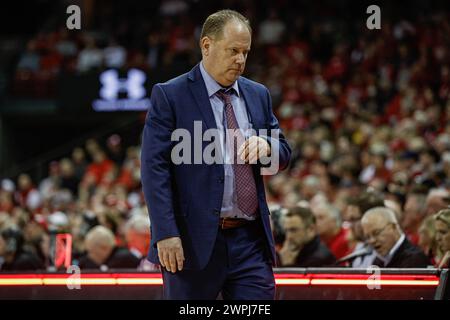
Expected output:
(13, 238)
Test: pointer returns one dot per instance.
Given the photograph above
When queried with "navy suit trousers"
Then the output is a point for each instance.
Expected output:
(239, 269)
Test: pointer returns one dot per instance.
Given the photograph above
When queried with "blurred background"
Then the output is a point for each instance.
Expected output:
(367, 113)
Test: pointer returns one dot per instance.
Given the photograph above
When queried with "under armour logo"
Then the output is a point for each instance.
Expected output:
(133, 85)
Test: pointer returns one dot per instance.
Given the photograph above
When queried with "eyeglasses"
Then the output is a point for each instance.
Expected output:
(377, 233)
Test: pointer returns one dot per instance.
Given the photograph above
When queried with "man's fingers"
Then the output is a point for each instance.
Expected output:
(170, 252)
(166, 260)
(180, 259)
(252, 154)
(172, 262)
(161, 259)
(242, 148)
(263, 148)
(253, 149)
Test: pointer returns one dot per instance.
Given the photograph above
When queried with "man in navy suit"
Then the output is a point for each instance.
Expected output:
(210, 221)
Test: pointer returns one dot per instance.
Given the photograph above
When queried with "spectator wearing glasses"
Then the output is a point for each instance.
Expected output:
(393, 249)
(363, 255)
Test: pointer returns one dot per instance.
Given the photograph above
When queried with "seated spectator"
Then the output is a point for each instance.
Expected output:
(99, 168)
(49, 185)
(413, 215)
(442, 225)
(102, 252)
(427, 240)
(27, 196)
(13, 256)
(363, 255)
(330, 230)
(79, 162)
(137, 236)
(437, 199)
(302, 246)
(30, 60)
(115, 55)
(69, 180)
(91, 57)
(393, 249)
(115, 149)
(7, 189)
(271, 30)
(65, 45)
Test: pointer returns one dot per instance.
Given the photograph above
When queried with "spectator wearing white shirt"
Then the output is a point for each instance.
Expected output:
(90, 57)
(383, 233)
(271, 30)
(115, 55)
(137, 235)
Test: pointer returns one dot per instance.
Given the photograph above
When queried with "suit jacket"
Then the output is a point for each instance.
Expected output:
(23, 261)
(408, 256)
(185, 199)
(119, 258)
(314, 254)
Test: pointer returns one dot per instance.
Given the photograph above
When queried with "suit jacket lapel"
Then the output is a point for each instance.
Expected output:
(253, 107)
(198, 89)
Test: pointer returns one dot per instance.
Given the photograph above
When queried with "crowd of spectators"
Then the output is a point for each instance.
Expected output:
(367, 114)
(94, 195)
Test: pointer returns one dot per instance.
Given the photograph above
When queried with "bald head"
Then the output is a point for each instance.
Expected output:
(137, 233)
(225, 44)
(437, 199)
(100, 235)
(381, 229)
(328, 219)
(382, 214)
(99, 242)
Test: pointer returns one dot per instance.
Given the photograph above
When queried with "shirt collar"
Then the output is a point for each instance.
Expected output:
(393, 250)
(212, 86)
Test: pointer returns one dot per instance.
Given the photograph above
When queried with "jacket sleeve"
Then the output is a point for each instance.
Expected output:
(279, 145)
(156, 166)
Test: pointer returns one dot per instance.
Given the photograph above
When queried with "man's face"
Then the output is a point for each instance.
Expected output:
(324, 221)
(353, 215)
(442, 235)
(425, 240)
(225, 57)
(411, 213)
(98, 252)
(295, 231)
(138, 241)
(380, 234)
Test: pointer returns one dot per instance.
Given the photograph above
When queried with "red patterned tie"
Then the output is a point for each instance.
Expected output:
(243, 175)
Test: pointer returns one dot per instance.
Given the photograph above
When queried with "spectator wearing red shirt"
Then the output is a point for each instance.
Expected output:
(99, 167)
(413, 215)
(330, 230)
(7, 188)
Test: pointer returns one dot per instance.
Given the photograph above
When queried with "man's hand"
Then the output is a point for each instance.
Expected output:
(288, 253)
(170, 253)
(254, 148)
